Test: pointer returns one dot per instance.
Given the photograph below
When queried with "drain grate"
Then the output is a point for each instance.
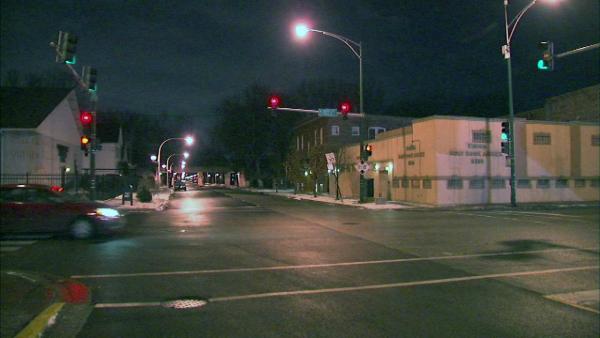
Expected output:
(187, 303)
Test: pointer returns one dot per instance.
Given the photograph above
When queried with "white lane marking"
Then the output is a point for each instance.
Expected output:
(537, 213)
(325, 265)
(578, 299)
(363, 288)
(480, 215)
(12, 243)
(9, 248)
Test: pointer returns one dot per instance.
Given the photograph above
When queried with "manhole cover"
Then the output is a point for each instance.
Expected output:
(187, 303)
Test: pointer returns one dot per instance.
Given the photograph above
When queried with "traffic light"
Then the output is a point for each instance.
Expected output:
(66, 47)
(85, 118)
(505, 138)
(368, 150)
(274, 102)
(546, 63)
(85, 141)
(89, 75)
(344, 108)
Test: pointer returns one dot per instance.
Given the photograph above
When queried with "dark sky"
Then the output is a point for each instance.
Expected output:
(186, 56)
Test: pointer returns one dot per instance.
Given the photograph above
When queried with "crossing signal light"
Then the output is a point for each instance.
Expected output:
(66, 47)
(85, 141)
(345, 108)
(546, 63)
(274, 102)
(85, 118)
(505, 138)
(89, 75)
(368, 150)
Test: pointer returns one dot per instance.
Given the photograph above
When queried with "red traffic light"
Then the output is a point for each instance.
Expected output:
(85, 117)
(345, 107)
(274, 102)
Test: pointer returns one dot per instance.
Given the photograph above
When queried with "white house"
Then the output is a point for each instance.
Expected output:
(39, 132)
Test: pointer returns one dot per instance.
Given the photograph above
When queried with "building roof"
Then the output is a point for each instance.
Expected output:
(28, 107)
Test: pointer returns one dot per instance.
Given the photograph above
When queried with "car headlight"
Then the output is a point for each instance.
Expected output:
(108, 212)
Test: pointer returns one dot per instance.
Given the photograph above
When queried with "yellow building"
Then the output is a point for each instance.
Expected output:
(450, 160)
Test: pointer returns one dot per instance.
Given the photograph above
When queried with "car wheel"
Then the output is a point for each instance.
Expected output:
(82, 229)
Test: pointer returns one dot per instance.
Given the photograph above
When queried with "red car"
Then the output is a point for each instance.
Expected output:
(29, 208)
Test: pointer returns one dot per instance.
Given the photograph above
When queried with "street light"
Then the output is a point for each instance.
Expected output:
(302, 30)
(189, 140)
(509, 28)
(185, 155)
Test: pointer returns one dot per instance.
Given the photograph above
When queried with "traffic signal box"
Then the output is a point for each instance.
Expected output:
(86, 118)
(368, 150)
(66, 47)
(344, 108)
(89, 76)
(546, 63)
(505, 138)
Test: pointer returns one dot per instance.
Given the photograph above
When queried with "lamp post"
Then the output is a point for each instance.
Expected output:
(185, 155)
(302, 31)
(188, 140)
(509, 29)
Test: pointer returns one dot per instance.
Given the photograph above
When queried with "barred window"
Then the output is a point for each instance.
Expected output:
(498, 183)
(455, 183)
(476, 183)
(595, 140)
(415, 184)
(580, 183)
(481, 136)
(543, 183)
(405, 183)
(523, 183)
(427, 183)
(542, 139)
(562, 183)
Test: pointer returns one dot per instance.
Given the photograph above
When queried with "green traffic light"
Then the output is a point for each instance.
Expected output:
(542, 65)
(72, 61)
(504, 137)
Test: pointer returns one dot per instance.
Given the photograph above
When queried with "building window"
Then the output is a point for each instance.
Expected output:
(415, 184)
(335, 130)
(595, 183)
(476, 183)
(302, 142)
(481, 136)
(543, 183)
(374, 131)
(562, 183)
(595, 140)
(427, 183)
(297, 142)
(498, 183)
(355, 131)
(396, 182)
(455, 183)
(321, 135)
(541, 139)
(405, 183)
(316, 139)
(523, 183)
(580, 183)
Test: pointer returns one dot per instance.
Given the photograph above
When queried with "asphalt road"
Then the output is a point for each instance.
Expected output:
(262, 266)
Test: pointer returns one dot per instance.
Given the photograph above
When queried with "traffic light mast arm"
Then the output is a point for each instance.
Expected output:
(577, 50)
(311, 111)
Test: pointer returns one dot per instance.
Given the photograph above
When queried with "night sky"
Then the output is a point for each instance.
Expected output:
(186, 56)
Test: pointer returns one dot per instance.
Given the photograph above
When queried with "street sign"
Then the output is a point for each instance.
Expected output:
(363, 167)
(328, 112)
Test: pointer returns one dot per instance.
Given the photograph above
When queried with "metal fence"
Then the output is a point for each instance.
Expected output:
(107, 185)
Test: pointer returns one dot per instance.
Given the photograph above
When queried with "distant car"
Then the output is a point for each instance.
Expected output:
(28, 208)
(179, 185)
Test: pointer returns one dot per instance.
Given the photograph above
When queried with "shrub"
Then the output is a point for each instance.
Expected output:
(144, 194)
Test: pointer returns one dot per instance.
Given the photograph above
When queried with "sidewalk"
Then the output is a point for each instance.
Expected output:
(288, 193)
(159, 202)
(30, 303)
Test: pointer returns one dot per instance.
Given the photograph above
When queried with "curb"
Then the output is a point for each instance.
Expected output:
(71, 294)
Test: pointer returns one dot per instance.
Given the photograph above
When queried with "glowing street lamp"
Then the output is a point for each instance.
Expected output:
(189, 140)
(153, 158)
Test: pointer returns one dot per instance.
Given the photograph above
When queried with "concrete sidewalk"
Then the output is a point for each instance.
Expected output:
(30, 303)
(159, 202)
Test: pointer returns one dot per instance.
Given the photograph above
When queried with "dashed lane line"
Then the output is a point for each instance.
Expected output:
(361, 288)
(324, 265)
